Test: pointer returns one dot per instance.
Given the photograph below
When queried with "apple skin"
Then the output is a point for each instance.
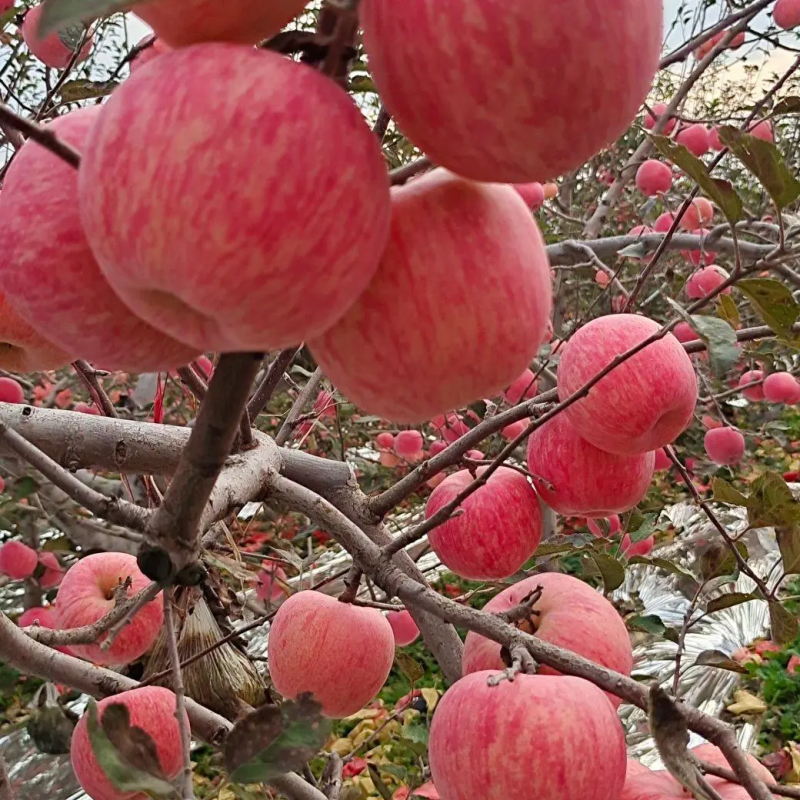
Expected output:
(86, 594)
(644, 403)
(724, 445)
(528, 721)
(786, 14)
(154, 48)
(432, 357)
(523, 388)
(532, 194)
(46, 617)
(408, 444)
(481, 96)
(151, 708)
(50, 50)
(755, 393)
(695, 139)
(575, 478)
(17, 560)
(705, 281)
(296, 214)
(653, 178)
(53, 571)
(192, 21)
(644, 784)
(11, 391)
(630, 549)
(404, 628)
(658, 111)
(340, 652)
(48, 272)
(572, 615)
(781, 387)
(663, 461)
(763, 130)
(498, 531)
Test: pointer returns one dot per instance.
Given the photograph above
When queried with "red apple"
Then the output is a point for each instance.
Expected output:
(432, 358)
(695, 139)
(663, 461)
(641, 548)
(87, 593)
(148, 48)
(532, 194)
(781, 387)
(339, 652)
(653, 178)
(705, 281)
(498, 531)
(151, 708)
(56, 49)
(17, 560)
(11, 391)
(641, 405)
(479, 94)
(404, 628)
(763, 130)
(297, 214)
(658, 110)
(602, 526)
(269, 582)
(575, 478)
(558, 739)
(523, 388)
(571, 615)
(408, 444)
(786, 14)
(22, 349)
(53, 571)
(754, 393)
(724, 445)
(664, 222)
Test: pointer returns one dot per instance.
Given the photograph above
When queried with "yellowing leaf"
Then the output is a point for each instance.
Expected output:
(746, 703)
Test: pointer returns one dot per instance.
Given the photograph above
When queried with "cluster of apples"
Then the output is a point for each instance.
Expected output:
(19, 562)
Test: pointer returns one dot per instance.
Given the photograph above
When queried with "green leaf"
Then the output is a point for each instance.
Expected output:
(59, 13)
(57, 543)
(773, 302)
(73, 91)
(720, 339)
(275, 739)
(649, 623)
(789, 105)
(765, 161)
(716, 658)
(553, 549)
(726, 309)
(637, 250)
(24, 487)
(409, 666)
(729, 600)
(611, 570)
(725, 493)
(782, 623)
(720, 191)
(136, 745)
(416, 733)
(771, 502)
(717, 561)
(645, 528)
(789, 544)
(377, 781)
(662, 563)
(72, 35)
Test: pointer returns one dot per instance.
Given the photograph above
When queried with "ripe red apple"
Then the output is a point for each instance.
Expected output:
(714, 142)
(404, 628)
(510, 432)
(644, 784)
(385, 441)
(54, 281)
(151, 47)
(724, 445)
(450, 427)
(297, 214)
(523, 388)
(339, 652)
(560, 739)
(56, 49)
(479, 94)
(151, 708)
(601, 278)
(571, 615)
(575, 478)
(658, 111)
(704, 209)
(701, 258)
(684, 332)
(643, 547)
(602, 526)
(53, 571)
(41, 615)
(425, 792)
(786, 14)
(22, 349)
(705, 281)
(192, 21)
(433, 358)
(653, 178)
(763, 130)
(87, 593)
(642, 404)
(498, 531)
(754, 393)
(664, 222)
(694, 138)
(11, 391)
(17, 560)
(269, 582)
(781, 387)
(532, 194)
(408, 444)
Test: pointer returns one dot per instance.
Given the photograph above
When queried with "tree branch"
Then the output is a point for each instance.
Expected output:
(269, 384)
(46, 138)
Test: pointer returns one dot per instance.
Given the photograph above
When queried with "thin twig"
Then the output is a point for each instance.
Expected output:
(297, 407)
(148, 594)
(269, 383)
(88, 374)
(46, 138)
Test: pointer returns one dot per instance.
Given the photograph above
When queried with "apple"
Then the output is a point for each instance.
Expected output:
(658, 110)
(763, 130)
(571, 615)
(684, 332)
(643, 547)
(644, 403)
(575, 478)
(781, 387)
(664, 222)
(53, 281)
(550, 191)
(601, 278)
(432, 358)
(786, 14)
(11, 391)
(17, 560)
(38, 615)
(480, 95)
(339, 652)
(409, 444)
(724, 445)
(529, 721)
(644, 784)
(694, 138)
(385, 441)
(705, 281)
(714, 142)
(498, 531)
(754, 393)
(702, 258)
(192, 21)
(653, 178)
(58, 48)
(450, 427)
(404, 628)
(151, 708)
(297, 214)
(87, 593)
(53, 571)
(608, 528)
(532, 194)
(269, 582)
(523, 388)
(148, 48)
(425, 792)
